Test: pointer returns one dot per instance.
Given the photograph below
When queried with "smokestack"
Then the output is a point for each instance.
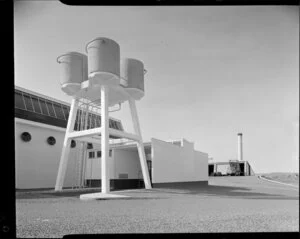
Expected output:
(240, 146)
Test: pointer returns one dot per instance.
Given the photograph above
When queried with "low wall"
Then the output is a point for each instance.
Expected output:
(173, 163)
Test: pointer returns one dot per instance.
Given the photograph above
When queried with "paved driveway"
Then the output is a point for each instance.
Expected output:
(228, 204)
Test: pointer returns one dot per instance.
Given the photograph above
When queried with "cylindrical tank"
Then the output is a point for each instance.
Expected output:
(132, 77)
(73, 71)
(103, 61)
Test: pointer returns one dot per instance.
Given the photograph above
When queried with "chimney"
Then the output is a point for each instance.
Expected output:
(240, 146)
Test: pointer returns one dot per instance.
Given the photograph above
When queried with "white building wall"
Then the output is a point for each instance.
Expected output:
(36, 161)
(127, 162)
(172, 163)
(201, 166)
(122, 162)
(93, 165)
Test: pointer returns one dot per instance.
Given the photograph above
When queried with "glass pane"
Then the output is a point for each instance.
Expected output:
(91, 154)
(77, 121)
(50, 108)
(44, 108)
(115, 125)
(28, 102)
(112, 125)
(98, 121)
(92, 121)
(19, 103)
(66, 110)
(89, 121)
(98, 154)
(58, 111)
(119, 126)
(36, 105)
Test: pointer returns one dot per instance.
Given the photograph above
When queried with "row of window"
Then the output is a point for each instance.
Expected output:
(92, 154)
(40, 105)
(29, 102)
(26, 137)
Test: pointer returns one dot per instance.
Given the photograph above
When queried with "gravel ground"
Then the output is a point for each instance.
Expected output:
(228, 204)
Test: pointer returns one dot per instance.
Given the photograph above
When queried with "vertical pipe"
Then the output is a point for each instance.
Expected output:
(105, 186)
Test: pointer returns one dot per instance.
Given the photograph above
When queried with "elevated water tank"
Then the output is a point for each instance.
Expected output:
(103, 61)
(132, 77)
(73, 71)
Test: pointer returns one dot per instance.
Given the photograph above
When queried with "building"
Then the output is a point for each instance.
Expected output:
(232, 167)
(40, 124)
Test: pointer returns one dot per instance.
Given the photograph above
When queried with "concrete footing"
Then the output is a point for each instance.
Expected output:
(99, 196)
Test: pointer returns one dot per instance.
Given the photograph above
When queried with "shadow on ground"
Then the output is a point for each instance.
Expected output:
(208, 190)
(35, 194)
(50, 193)
(224, 191)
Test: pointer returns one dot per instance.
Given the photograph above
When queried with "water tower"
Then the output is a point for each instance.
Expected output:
(97, 82)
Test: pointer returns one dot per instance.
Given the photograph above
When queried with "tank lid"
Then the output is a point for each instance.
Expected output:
(71, 53)
(99, 38)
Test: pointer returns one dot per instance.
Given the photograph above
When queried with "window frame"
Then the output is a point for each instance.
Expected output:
(91, 153)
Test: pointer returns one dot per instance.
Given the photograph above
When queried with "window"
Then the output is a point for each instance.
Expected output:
(98, 154)
(25, 136)
(77, 120)
(59, 112)
(36, 105)
(44, 107)
(114, 124)
(91, 154)
(89, 121)
(28, 102)
(89, 146)
(119, 126)
(73, 144)
(66, 111)
(92, 121)
(19, 103)
(50, 108)
(98, 121)
(110, 153)
(51, 140)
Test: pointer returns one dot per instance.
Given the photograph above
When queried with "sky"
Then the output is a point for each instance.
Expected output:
(212, 71)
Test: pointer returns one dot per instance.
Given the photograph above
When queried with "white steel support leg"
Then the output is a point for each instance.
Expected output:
(66, 147)
(140, 145)
(105, 184)
(80, 153)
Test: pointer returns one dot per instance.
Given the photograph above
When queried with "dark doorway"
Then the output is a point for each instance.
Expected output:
(149, 164)
(210, 169)
(242, 169)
